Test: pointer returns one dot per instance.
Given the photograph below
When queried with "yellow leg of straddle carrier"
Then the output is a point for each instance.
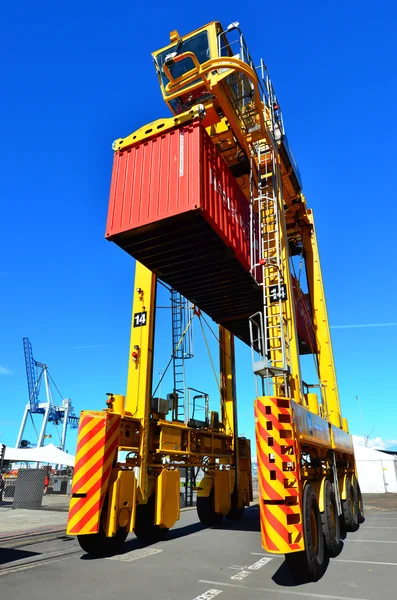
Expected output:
(278, 475)
(121, 502)
(97, 443)
(168, 487)
(223, 488)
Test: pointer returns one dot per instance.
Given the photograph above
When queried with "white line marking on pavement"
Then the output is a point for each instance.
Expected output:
(247, 571)
(372, 541)
(241, 575)
(378, 527)
(208, 595)
(279, 592)
(339, 560)
(260, 563)
(369, 517)
(365, 562)
(134, 554)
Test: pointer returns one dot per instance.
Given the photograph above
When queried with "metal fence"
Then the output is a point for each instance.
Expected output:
(31, 504)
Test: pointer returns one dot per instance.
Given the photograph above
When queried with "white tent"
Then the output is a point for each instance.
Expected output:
(377, 471)
(48, 454)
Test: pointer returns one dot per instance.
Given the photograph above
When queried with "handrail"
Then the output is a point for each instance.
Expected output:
(174, 86)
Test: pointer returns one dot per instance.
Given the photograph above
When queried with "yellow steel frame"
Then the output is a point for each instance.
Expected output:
(150, 440)
(332, 430)
(285, 430)
(320, 319)
(211, 76)
(140, 365)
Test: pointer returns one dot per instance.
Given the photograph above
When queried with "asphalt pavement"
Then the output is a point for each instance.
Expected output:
(195, 563)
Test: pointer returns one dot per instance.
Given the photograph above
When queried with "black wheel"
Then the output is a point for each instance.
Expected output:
(350, 508)
(310, 563)
(145, 529)
(330, 521)
(206, 511)
(97, 544)
(236, 513)
(359, 501)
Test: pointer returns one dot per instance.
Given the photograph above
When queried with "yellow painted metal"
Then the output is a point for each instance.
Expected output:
(311, 427)
(342, 485)
(156, 127)
(312, 401)
(345, 425)
(242, 474)
(121, 501)
(321, 325)
(245, 491)
(223, 491)
(341, 440)
(212, 30)
(174, 36)
(140, 365)
(170, 439)
(272, 275)
(320, 495)
(97, 444)
(280, 488)
(212, 75)
(167, 498)
(205, 486)
(227, 381)
(117, 405)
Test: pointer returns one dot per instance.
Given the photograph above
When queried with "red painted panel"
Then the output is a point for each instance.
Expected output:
(304, 322)
(174, 173)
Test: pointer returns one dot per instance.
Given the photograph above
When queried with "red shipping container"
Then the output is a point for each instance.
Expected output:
(175, 206)
(304, 320)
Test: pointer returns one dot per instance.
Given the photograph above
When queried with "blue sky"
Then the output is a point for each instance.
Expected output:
(76, 76)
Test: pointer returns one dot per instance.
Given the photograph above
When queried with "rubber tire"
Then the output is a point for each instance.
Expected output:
(350, 509)
(145, 529)
(235, 513)
(206, 511)
(359, 501)
(309, 564)
(97, 544)
(331, 528)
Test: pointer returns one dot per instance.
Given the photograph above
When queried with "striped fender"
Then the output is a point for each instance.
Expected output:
(97, 442)
(278, 476)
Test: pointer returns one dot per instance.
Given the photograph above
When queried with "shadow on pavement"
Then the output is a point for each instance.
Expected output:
(8, 555)
(284, 578)
(134, 544)
(173, 534)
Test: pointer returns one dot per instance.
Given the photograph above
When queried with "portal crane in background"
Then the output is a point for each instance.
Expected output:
(210, 201)
(63, 414)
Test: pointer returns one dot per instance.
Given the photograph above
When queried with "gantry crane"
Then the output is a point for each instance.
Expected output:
(63, 414)
(210, 201)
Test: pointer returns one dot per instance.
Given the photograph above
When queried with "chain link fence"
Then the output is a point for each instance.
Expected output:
(33, 501)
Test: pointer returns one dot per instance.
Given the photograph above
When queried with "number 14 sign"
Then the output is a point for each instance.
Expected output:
(140, 319)
(277, 293)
